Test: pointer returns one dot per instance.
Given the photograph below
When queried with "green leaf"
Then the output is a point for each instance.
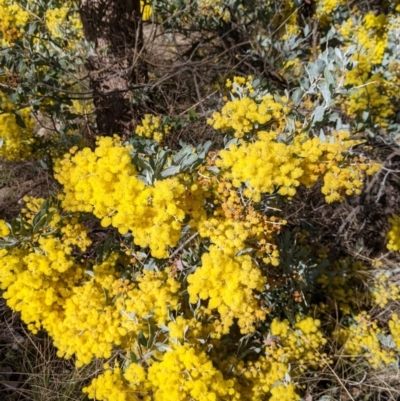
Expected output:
(133, 357)
(15, 224)
(45, 205)
(386, 341)
(192, 115)
(20, 122)
(322, 136)
(144, 164)
(326, 93)
(89, 273)
(244, 251)
(179, 156)
(188, 162)
(39, 224)
(318, 114)
(162, 347)
(22, 228)
(170, 171)
(330, 79)
(32, 28)
(38, 216)
(202, 150)
(213, 169)
(142, 339)
(151, 334)
(233, 141)
(107, 245)
(297, 96)
(312, 69)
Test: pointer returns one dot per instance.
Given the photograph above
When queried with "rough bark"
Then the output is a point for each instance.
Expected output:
(114, 26)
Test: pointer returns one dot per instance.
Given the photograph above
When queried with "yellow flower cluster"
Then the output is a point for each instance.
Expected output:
(146, 10)
(235, 221)
(297, 346)
(152, 127)
(292, 68)
(36, 283)
(245, 85)
(4, 229)
(231, 236)
(228, 283)
(116, 385)
(90, 326)
(214, 9)
(283, 21)
(186, 373)
(369, 95)
(266, 166)
(87, 318)
(384, 290)
(341, 285)
(393, 235)
(16, 141)
(13, 19)
(371, 90)
(75, 234)
(182, 329)
(284, 393)
(48, 288)
(286, 348)
(65, 21)
(287, 20)
(342, 179)
(114, 312)
(370, 35)
(325, 8)
(394, 327)
(104, 182)
(362, 339)
(245, 113)
(93, 175)
(84, 107)
(32, 207)
(263, 378)
(156, 294)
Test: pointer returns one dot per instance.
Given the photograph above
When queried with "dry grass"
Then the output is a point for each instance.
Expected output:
(19, 179)
(351, 379)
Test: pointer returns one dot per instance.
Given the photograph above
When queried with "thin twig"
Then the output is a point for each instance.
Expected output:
(198, 92)
(177, 250)
(382, 186)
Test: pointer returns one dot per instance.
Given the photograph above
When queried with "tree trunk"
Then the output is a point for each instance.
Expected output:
(114, 26)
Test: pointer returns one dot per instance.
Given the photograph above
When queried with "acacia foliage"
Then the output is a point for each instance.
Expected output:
(180, 267)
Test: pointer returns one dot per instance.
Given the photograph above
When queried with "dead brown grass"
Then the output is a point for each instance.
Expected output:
(19, 179)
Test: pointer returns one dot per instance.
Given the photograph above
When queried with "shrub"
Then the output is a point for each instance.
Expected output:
(179, 266)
